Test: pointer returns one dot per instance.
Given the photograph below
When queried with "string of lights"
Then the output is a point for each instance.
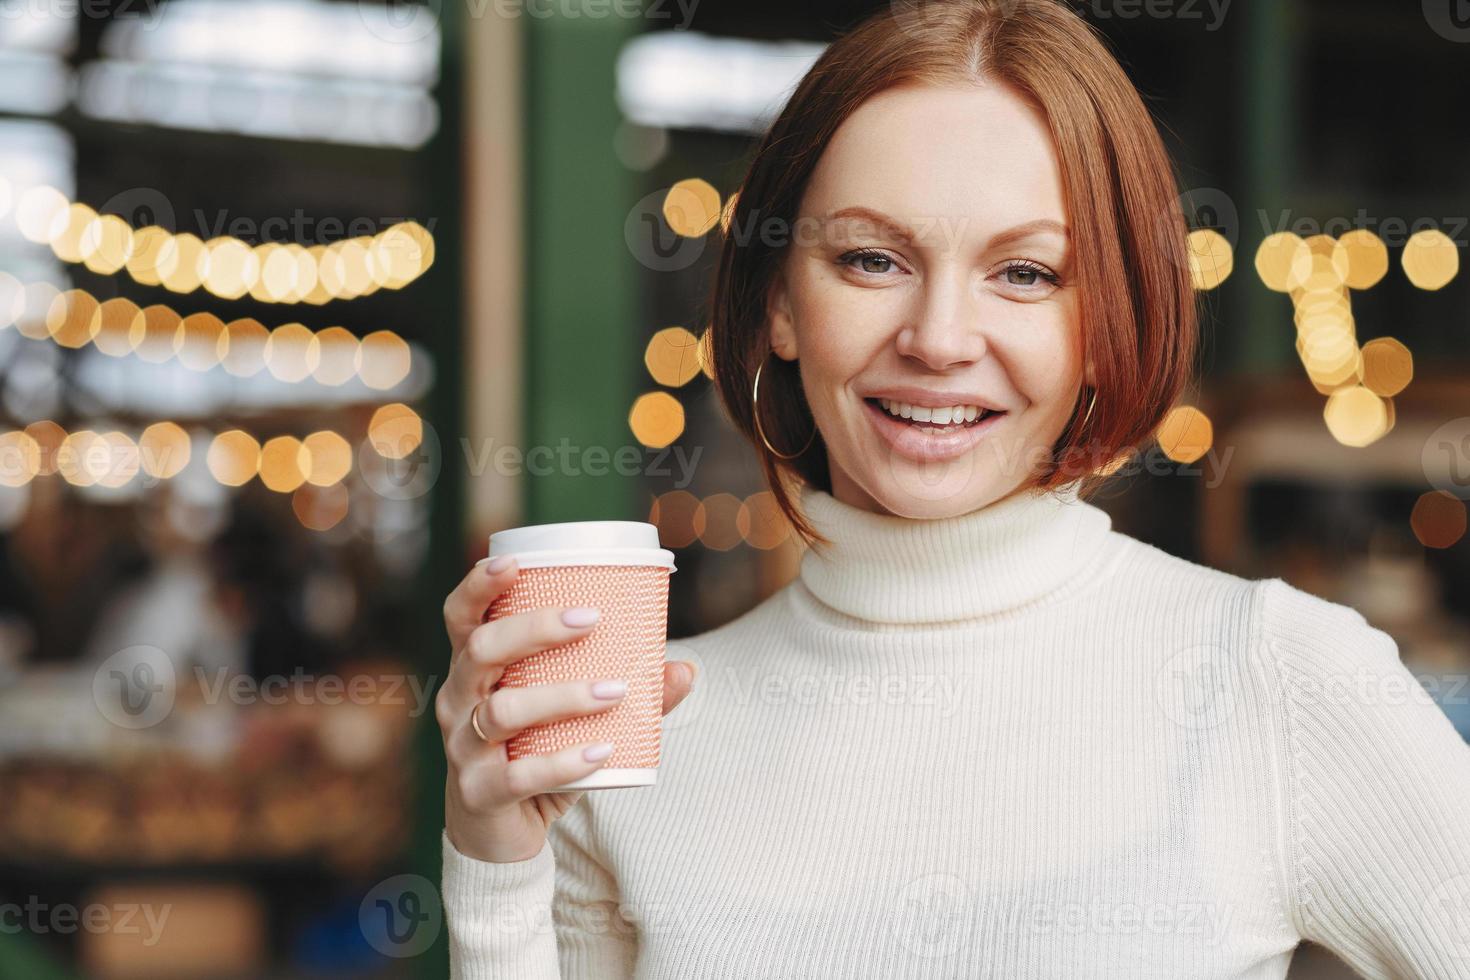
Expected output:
(243, 347)
(114, 458)
(223, 266)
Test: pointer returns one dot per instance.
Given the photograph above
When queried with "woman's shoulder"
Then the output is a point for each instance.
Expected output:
(1291, 622)
(1152, 580)
(1293, 627)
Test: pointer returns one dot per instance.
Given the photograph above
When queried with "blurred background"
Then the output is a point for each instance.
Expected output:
(301, 299)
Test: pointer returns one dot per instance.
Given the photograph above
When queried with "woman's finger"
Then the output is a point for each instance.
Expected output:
(464, 610)
(533, 774)
(678, 682)
(490, 647)
(511, 710)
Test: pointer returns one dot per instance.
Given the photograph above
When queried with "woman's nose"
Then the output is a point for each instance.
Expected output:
(945, 331)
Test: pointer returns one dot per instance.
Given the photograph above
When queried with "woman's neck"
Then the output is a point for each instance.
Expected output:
(891, 569)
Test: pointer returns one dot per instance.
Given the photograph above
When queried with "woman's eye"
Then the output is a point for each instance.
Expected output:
(1029, 276)
(871, 263)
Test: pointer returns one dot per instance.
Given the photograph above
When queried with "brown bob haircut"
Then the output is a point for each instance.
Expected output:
(1136, 301)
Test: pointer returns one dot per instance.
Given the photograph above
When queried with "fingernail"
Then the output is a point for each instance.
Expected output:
(598, 752)
(609, 689)
(580, 616)
(499, 565)
(691, 670)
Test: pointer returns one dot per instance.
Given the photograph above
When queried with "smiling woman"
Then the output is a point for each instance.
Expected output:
(970, 292)
(985, 217)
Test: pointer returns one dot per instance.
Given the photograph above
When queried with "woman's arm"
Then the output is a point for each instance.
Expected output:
(499, 916)
(1376, 795)
(556, 916)
(504, 860)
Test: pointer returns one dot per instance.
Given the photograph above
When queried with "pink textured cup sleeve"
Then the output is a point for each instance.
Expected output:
(627, 643)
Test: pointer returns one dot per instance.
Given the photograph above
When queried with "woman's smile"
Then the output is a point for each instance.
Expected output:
(926, 435)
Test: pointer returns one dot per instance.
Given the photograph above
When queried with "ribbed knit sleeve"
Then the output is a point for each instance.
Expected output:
(1376, 798)
(499, 916)
(556, 915)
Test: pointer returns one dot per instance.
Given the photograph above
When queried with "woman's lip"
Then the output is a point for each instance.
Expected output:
(909, 441)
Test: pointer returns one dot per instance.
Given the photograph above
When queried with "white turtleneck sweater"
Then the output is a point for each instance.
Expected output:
(1016, 744)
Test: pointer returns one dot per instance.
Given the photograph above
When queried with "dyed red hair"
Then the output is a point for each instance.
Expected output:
(1136, 299)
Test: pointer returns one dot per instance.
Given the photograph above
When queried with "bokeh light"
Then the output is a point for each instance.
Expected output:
(692, 207)
(1185, 434)
(1438, 519)
(656, 419)
(395, 431)
(164, 450)
(672, 356)
(234, 457)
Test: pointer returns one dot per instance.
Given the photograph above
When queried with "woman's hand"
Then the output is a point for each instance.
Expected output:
(495, 809)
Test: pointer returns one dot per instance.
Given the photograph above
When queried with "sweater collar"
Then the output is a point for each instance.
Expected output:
(891, 569)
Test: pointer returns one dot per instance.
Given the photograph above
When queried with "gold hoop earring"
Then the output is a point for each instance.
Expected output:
(755, 410)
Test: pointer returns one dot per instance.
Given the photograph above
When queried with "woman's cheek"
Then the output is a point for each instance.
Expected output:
(829, 324)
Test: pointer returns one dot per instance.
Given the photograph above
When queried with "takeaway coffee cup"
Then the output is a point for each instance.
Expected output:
(618, 568)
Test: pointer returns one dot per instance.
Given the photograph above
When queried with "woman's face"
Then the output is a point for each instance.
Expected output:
(931, 269)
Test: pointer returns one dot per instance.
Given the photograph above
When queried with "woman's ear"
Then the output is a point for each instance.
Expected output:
(783, 325)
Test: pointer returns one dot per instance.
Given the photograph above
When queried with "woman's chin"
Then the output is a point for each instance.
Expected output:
(905, 490)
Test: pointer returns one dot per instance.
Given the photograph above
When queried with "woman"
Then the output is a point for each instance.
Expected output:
(982, 734)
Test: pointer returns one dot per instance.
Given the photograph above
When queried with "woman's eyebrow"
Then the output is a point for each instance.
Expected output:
(891, 226)
(901, 232)
(1030, 229)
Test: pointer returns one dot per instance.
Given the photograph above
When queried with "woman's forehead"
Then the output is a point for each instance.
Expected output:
(978, 158)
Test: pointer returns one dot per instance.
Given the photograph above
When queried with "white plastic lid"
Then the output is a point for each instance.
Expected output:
(582, 543)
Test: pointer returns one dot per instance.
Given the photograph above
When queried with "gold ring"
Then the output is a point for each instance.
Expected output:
(475, 722)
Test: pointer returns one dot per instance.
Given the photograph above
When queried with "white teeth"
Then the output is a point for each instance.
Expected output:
(935, 416)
